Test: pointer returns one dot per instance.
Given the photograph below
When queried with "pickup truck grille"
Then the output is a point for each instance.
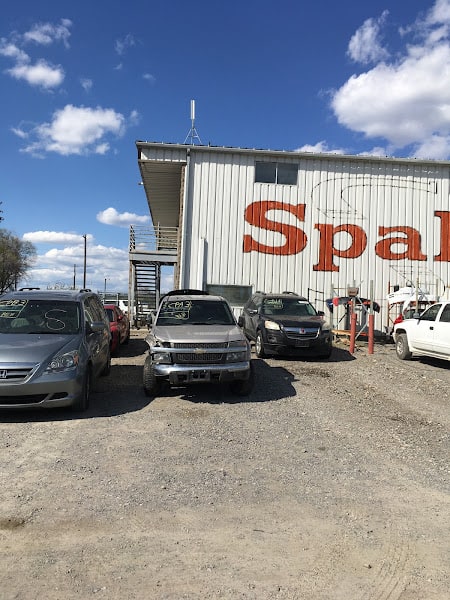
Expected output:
(193, 357)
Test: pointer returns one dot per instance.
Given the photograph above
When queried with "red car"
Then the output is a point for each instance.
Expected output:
(119, 325)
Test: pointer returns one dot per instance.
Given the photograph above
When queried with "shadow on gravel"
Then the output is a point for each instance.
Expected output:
(135, 347)
(271, 383)
(338, 355)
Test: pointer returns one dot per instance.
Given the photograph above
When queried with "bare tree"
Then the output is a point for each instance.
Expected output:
(16, 258)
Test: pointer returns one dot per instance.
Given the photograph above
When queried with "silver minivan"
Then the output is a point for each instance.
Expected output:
(53, 344)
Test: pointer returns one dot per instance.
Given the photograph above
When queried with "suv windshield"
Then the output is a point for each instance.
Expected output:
(39, 316)
(287, 306)
(195, 312)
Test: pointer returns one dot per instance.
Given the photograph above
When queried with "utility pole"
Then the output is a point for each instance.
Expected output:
(74, 276)
(84, 269)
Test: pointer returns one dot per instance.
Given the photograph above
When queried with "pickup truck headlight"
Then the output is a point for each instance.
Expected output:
(238, 355)
(162, 358)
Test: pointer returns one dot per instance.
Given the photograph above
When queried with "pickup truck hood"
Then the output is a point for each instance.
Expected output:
(196, 334)
(305, 322)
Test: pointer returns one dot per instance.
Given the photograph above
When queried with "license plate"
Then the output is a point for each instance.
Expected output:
(199, 376)
(301, 343)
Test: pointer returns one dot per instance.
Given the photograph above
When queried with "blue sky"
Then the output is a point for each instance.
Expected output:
(80, 82)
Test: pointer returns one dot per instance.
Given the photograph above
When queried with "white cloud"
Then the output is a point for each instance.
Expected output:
(435, 147)
(405, 101)
(110, 216)
(86, 84)
(149, 77)
(319, 148)
(123, 44)
(58, 265)
(76, 130)
(55, 237)
(41, 74)
(12, 51)
(47, 33)
(365, 45)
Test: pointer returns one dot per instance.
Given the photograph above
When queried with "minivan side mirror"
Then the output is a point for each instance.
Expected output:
(95, 327)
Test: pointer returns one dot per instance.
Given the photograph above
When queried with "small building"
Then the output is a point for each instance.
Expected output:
(234, 220)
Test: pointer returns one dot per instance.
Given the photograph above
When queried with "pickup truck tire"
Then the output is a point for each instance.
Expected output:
(244, 387)
(259, 346)
(402, 348)
(152, 386)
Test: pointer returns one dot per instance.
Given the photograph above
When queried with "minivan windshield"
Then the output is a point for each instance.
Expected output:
(39, 316)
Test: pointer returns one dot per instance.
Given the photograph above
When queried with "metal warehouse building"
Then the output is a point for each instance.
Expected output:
(234, 220)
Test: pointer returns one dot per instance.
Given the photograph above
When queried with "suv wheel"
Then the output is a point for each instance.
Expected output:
(259, 346)
(151, 383)
(402, 348)
(328, 351)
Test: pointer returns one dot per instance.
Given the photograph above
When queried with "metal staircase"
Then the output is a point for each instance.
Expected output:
(146, 287)
(150, 248)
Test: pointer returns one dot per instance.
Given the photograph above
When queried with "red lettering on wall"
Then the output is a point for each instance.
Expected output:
(326, 245)
(296, 239)
(412, 241)
(444, 256)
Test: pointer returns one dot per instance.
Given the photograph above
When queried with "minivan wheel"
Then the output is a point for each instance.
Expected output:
(152, 385)
(82, 402)
(259, 346)
(107, 368)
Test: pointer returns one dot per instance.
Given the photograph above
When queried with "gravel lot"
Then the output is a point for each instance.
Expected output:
(331, 481)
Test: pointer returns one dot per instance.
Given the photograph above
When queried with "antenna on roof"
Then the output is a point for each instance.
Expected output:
(192, 133)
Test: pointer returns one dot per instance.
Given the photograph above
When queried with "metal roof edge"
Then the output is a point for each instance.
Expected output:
(290, 153)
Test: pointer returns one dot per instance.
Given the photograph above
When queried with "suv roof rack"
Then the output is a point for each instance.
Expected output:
(28, 289)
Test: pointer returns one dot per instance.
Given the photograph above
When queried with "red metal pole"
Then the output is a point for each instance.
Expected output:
(353, 318)
(371, 333)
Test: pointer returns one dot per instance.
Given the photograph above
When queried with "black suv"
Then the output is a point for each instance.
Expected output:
(286, 324)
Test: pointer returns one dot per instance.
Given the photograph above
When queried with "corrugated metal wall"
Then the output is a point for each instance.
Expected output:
(309, 249)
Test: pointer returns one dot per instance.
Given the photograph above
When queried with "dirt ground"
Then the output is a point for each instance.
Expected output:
(330, 482)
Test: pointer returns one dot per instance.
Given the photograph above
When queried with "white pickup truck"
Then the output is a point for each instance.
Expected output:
(427, 335)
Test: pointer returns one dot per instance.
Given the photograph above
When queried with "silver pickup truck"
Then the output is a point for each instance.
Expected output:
(194, 338)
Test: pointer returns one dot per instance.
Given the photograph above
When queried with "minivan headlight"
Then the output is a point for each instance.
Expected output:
(63, 362)
(271, 325)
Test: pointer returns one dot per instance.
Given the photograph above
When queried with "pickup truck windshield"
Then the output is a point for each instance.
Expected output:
(194, 312)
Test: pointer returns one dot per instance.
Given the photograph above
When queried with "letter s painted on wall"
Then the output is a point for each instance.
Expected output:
(256, 214)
